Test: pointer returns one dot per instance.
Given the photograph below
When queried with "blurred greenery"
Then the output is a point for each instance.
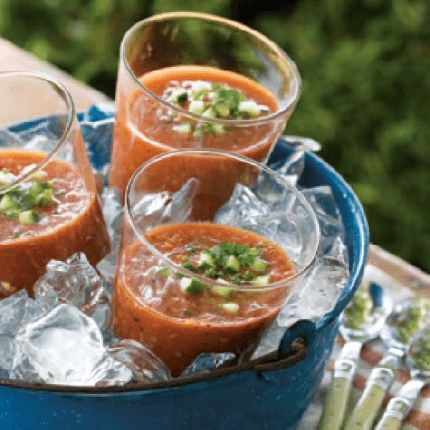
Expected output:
(366, 84)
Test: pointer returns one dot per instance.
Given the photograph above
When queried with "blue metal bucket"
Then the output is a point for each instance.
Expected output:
(247, 399)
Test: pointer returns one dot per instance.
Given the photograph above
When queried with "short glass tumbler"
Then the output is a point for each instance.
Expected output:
(191, 80)
(49, 206)
(187, 284)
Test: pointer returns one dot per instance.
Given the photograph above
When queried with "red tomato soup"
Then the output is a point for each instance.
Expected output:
(66, 219)
(145, 128)
(177, 321)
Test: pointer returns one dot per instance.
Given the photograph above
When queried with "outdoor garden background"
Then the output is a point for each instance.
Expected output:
(365, 66)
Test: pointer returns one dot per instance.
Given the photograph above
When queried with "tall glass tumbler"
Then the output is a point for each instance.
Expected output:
(191, 80)
(49, 206)
(185, 285)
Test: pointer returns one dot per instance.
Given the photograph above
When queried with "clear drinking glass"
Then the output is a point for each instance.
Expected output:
(165, 54)
(49, 206)
(187, 285)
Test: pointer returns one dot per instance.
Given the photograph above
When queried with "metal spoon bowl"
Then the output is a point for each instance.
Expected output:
(397, 334)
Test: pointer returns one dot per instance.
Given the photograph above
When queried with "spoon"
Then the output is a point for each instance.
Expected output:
(402, 325)
(418, 363)
(357, 328)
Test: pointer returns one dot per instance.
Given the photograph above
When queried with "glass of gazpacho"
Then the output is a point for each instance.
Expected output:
(186, 285)
(49, 206)
(191, 80)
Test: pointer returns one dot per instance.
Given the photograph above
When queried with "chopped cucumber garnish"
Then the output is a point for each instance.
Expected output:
(222, 110)
(232, 264)
(6, 178)
(261, 281)
(205, 261)
(196, 106)
(220, 290)
(249, 107)
(20, 201)
(237, 264)
(211, 100)
(232, 308)
(183, 128)
(39, 176)
(7, 203)
(28, 217)
(259, 265)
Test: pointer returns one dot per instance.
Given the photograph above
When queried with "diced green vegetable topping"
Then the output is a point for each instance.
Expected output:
(191, 285)
(220, 290)
(226, 263)
(261, 281)
(259, 265)
(232, 263)
(205, 261)
(232, 308)
(21, 201)
(211, 100)
(28, 217)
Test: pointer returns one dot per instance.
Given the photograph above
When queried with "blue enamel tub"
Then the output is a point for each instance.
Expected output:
(247, 399)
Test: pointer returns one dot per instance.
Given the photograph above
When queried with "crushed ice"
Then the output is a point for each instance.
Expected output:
(62, 335)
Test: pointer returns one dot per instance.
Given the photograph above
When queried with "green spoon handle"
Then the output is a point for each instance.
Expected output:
(399, 407)
(337, 397)
(366, 409)
(380, 381)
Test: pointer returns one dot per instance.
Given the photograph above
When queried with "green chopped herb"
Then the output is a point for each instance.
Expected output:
(191, 285)
(189, 266)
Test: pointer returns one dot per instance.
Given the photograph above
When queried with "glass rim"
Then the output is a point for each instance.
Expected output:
(208, 281)
(291, 101)
(63, 92)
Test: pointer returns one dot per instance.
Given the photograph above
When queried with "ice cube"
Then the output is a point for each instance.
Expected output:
(76, 282)
(204, 363)
(7, 353)
(165, 207)
(66, 347)
(144, 364)
(17, 310)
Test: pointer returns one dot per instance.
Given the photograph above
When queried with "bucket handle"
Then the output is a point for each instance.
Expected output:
(293, 348)
(303, 329)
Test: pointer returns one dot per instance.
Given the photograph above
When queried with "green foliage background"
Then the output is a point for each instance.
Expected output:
(365, 66)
